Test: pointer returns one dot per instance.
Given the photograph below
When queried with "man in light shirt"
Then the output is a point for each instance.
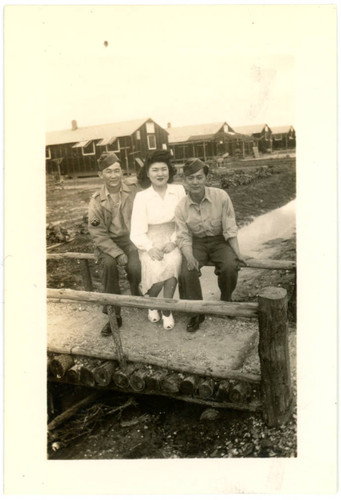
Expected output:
(110, 212)
(206, 232)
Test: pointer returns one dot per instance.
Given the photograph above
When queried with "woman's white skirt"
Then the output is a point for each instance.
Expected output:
(154, 271)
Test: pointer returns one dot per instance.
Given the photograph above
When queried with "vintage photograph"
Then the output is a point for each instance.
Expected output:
(171, 267)
(170, 250)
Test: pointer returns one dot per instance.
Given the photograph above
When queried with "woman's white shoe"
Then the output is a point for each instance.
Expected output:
(168, 321)
(153, 315)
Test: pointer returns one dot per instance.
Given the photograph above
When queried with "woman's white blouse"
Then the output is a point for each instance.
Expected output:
(150, 208)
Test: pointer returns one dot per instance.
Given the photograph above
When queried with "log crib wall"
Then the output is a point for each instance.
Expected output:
(270, 392)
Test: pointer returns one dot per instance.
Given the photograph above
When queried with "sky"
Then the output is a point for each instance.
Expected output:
(180, 64)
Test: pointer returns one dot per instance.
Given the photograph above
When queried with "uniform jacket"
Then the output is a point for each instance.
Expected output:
(100, 217)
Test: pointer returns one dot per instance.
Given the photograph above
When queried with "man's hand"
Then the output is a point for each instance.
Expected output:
(241, 261)
(192, 263)
(122, 260)
(155, 254)
(169, 247)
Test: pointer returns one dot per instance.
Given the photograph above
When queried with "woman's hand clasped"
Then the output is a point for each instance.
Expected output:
(155, 254)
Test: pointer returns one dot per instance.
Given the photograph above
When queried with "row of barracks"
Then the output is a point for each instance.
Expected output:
(74, 152)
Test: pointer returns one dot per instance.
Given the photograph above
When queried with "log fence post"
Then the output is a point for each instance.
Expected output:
(273, 349)
(116, 336)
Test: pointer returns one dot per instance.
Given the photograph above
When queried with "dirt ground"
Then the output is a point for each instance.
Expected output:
(119, 425)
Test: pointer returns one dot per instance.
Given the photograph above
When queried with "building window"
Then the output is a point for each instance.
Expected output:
(226, 128)
(115, 146)
(89, 149)
(150, 128)
(48, 155)
(138, 135)
(164, 146)
(151, 141)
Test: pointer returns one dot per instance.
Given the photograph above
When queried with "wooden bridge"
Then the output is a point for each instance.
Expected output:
(211, 366)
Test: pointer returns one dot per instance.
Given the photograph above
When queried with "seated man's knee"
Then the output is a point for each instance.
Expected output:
(229, 268)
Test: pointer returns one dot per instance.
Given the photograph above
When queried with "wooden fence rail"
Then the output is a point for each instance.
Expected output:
(84, 259)
(215, 307)
(252, 263)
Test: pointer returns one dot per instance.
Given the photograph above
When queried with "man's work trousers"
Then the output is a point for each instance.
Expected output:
(216, 250)
(110, 274)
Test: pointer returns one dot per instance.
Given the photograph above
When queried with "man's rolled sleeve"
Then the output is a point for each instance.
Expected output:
(183, 233)
(99, 232)
(230, 229)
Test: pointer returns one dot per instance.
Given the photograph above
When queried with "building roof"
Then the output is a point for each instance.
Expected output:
(108, 132)
(251, 129)
(283, 129)
(194, 132)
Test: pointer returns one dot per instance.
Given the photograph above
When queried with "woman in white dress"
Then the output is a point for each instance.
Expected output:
(153, 231)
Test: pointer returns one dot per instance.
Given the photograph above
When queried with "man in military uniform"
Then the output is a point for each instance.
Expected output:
(206, 231)
(109, 225)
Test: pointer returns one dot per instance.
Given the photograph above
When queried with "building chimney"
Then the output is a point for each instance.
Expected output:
(169, 125)
(74, 125)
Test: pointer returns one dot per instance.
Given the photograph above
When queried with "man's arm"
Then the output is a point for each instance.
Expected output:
(99, 231)
(184, 240)
(230, 228)
(233, 242)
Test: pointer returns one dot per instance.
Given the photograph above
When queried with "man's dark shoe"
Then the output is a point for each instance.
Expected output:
(106, 330)
(194, 323)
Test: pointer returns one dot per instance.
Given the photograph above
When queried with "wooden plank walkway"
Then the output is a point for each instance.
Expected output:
(220, 347)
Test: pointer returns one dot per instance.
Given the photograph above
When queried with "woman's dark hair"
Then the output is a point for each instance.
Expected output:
(159, 155)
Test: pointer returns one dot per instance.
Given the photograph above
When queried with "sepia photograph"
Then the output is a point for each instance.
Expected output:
(170, 170)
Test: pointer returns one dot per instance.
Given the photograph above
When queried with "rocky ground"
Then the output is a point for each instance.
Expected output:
(119, 425)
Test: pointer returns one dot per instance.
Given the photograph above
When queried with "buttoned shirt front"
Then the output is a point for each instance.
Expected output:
(118, 226)
(213, 216)
(149, 209)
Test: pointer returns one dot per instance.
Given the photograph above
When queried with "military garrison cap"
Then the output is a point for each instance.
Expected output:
(107, 159)
(193, 165)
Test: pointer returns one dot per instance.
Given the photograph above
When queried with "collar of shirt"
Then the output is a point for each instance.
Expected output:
(105, 193)
(207, 197)
(151, 193)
